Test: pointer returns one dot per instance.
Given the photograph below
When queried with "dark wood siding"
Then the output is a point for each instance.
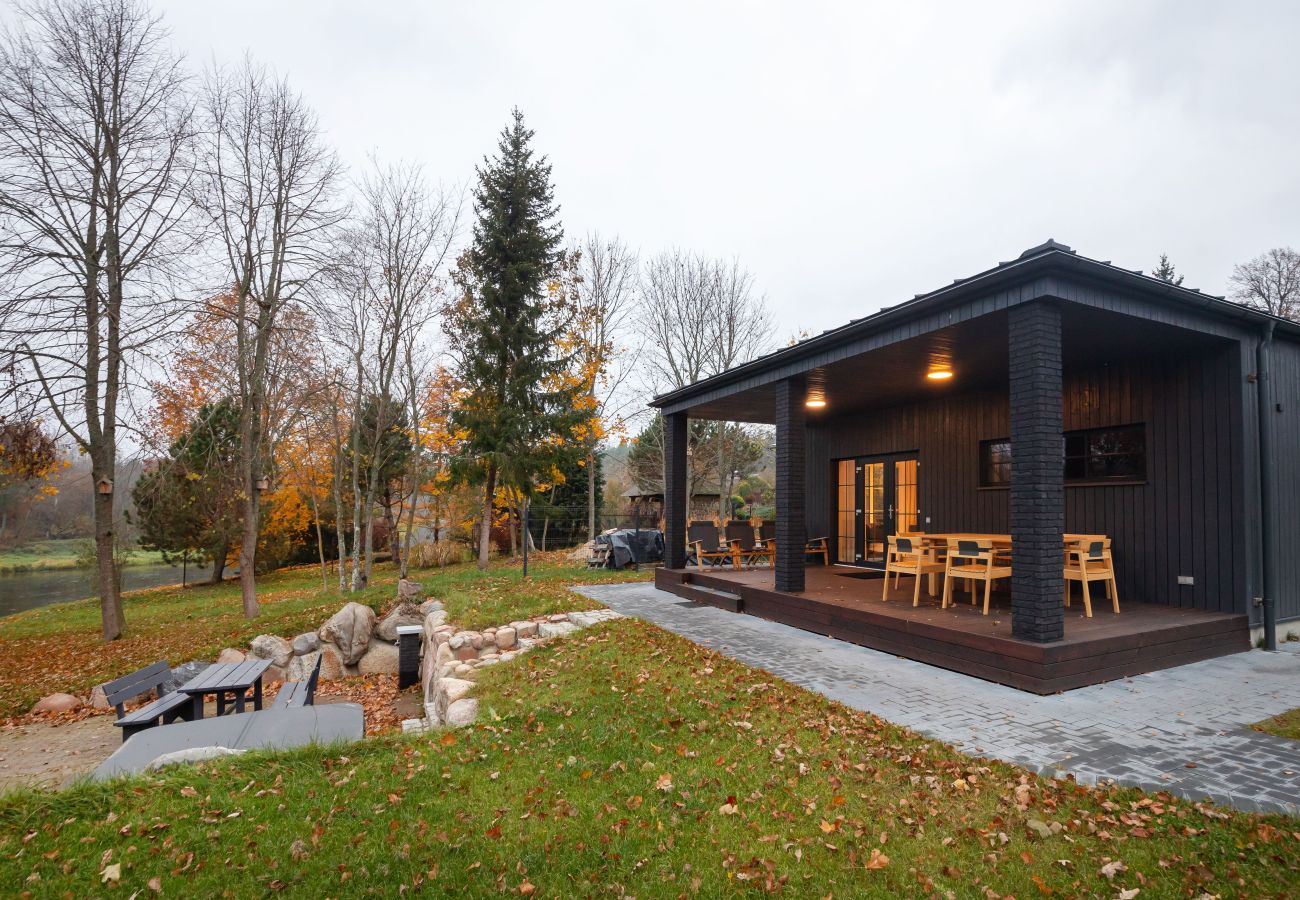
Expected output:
(1285, 366)
(1179, 522)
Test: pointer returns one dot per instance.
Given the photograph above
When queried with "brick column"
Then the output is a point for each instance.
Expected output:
(791, 530)
(1037, 472)
(675, 435)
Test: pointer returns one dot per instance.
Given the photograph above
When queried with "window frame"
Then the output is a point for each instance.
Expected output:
(1089, 477)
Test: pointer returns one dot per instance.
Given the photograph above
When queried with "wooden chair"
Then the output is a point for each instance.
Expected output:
(741, 536)
(973, 560)
(908, 555)
(816, 547)
(1090, 560)
(702, 538)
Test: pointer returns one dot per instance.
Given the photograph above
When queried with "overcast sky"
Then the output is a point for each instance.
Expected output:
(850, 154)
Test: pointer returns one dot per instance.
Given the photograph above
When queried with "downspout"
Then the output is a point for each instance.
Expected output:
(1268, 558)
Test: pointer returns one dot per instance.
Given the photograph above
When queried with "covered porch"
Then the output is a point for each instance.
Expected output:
(1035, 409)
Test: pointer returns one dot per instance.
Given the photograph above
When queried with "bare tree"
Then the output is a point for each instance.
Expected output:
(1270, 283)
(605, 299)
(95, 130)
(701, 317)
(267, 184)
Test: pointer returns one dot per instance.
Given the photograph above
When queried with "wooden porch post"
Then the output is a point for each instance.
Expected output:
(1037, 472)
(675, 490)
(791, 530)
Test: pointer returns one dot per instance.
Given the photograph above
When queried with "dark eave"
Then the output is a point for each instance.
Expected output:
(1047, 256)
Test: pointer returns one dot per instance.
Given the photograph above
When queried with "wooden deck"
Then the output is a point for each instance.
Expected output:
(838, 602)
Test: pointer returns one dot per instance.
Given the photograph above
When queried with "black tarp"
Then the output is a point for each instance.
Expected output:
(629, 545)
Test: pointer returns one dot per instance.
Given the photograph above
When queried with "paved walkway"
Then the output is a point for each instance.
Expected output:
(1179, 730)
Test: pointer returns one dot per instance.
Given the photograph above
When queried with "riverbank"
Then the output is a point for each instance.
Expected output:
(63, 555)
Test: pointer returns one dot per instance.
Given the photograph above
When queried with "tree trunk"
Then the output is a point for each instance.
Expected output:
(394, 533)
(320, 540)
(110, 599)
(591, 495)
(485, 536)
(219, 563)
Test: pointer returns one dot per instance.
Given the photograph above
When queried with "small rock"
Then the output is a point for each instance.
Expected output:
(58, 703)
(509, 655)
(462, 712)
(99, 699)
(408, 591)
(300, 666)
(270, 646)
(525, 629)
(456, 641)
(192, 755)
(349, 630)
(558, 617)
(332, 666)
(428, 607)
(230, 655)
(466, 653)
(505, 638)
(402, 614)
(443, 654)
(380, 659)
(308, 642)
(452, 689)
(462, 669)
(434, 619)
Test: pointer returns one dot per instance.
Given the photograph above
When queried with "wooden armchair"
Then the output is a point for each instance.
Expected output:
(816, 547)
(973, 560)
(908, 555)
(703, 541)
(740, 535)
(1090, 560)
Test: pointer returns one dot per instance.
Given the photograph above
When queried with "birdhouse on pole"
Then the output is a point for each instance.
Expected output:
(104, 486)
(263, 483)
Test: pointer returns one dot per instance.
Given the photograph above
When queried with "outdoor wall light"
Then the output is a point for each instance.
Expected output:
(814, 402)
(816, 398)
(939, 374)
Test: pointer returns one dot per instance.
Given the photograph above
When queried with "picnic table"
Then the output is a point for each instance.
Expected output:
(232, 679)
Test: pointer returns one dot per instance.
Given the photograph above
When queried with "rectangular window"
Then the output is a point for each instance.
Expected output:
(995, 463)
(1116, 454)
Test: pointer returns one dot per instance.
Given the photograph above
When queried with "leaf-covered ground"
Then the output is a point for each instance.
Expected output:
(1285, 725)
(58, 647)
(625, 761)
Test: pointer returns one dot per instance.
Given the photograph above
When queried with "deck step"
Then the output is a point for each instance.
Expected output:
(706, 595)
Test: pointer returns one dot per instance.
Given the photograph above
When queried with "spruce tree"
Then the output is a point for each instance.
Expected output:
(1166, 271)
(519, 407)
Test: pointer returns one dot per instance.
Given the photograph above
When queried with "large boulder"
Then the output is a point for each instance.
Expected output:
(380, 659)
(272, 647)
(431, 606)
(58, 703)
(180, 675)
(408, 591)
(349, 630)
(98, 698)
(305, 643)
(401, 614)
(230, 655)
(331, 666)
(505, 638)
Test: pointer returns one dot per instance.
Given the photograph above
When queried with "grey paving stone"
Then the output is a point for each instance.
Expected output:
(1140, 731)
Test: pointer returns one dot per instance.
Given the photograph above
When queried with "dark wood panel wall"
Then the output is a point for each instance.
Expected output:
(1284, 366)
(1185, 520)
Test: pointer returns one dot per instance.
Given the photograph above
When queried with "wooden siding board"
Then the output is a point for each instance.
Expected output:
(1285, 365)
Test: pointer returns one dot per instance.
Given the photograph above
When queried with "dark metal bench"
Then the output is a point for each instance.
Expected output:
(167, 708)
(298, 693)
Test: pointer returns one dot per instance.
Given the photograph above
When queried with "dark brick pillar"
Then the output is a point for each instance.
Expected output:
(791, 530)
(675, 433)
(1037, 476)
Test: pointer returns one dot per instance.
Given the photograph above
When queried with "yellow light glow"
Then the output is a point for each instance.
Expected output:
(815, 404)
(939, 374)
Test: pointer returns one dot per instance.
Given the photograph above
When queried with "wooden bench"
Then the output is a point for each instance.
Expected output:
(167, 708)
(298, 693)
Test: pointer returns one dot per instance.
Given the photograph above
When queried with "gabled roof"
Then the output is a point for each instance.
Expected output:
(1047, 255)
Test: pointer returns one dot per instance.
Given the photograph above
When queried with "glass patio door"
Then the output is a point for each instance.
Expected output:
(875, 497)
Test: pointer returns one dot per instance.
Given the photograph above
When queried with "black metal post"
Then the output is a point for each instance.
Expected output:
(675, 493)
(1268, 583)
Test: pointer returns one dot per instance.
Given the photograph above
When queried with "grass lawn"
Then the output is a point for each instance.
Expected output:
(61, 554)
(58, 648)
(1285, 725)
(625, 761)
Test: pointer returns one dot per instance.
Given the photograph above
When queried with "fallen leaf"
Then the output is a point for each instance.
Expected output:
(878, 860)
(111, 873)
(664, 783)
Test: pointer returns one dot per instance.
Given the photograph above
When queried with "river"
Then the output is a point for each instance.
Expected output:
(28, 590)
